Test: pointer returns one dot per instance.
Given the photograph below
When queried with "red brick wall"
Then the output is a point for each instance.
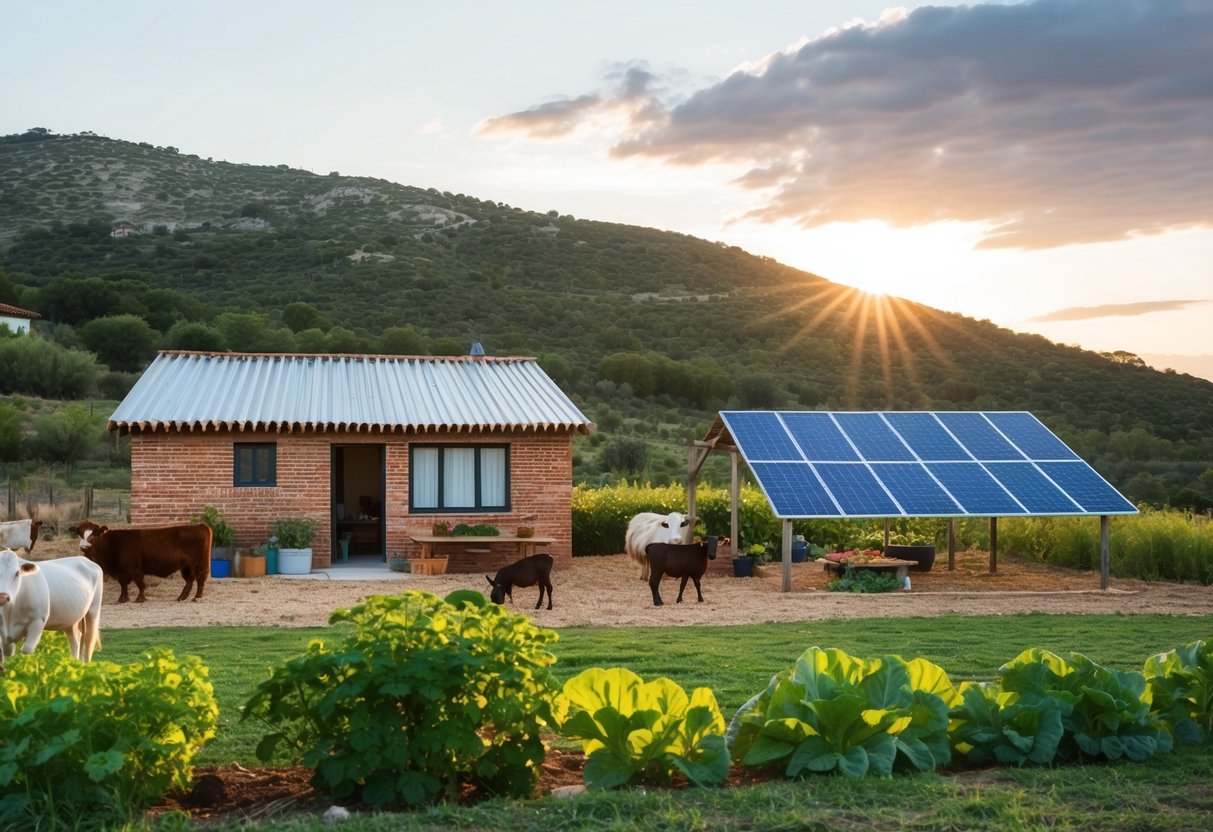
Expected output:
(173, 475)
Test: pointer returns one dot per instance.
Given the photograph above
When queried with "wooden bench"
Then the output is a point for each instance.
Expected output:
(901, 568)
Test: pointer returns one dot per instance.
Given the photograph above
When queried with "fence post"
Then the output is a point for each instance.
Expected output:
(88, 501)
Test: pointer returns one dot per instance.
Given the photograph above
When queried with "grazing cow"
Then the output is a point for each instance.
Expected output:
(19, 534)
(646, 528)
(679, 560)
(531, 570)
(129, 554)
(63, 594)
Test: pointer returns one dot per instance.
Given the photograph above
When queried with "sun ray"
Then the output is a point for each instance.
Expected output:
(908, 361)
(877, 304)
(859, 310)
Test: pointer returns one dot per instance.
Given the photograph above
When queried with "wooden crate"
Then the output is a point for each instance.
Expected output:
(428, 566)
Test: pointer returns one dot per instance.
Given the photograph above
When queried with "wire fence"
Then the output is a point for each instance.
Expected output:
(59, 506)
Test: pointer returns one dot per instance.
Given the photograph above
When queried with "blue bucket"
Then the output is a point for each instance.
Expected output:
(221, 568)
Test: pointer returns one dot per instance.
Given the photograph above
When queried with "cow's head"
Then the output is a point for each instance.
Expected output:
(673, 528)
(499, 591)
(88, 530)
(12, 569)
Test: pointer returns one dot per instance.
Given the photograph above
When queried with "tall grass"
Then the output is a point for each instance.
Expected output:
(1156, 545)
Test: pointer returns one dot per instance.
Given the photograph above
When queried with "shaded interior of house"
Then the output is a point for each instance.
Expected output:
(359, 482)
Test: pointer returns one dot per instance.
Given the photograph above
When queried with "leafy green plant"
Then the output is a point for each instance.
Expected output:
(478, 530)
(634, 731)
(295, 532)
(863, 580)
(833, 712)
(98, 740)
(1181, 687)
(993, 726)
(1105, 713)
(222, 534)
(421, 697)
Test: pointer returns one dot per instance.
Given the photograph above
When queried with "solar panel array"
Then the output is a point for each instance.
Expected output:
(916, 464)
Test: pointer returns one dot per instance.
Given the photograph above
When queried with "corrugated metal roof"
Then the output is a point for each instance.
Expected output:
(244, 391)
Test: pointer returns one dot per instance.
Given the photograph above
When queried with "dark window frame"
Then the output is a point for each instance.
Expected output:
(260, 479)
(479, 507)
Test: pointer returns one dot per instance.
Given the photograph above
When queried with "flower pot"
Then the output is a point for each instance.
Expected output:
(800, 551)
(923, 556)
(295, 561)
(398, 564)
(743, 567)
(252, 566)
(220, 567)
(271, 560)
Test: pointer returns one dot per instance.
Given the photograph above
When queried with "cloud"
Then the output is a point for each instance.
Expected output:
(1110, 310)
(1053, 122)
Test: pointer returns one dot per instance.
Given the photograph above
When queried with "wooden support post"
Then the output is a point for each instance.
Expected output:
(886, 534)
(993, 545)
(951, 544)
(688, 534)
(1104, 556)
(734, 499)
(787, 555)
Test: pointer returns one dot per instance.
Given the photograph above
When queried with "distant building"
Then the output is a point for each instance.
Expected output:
(124, 229)
(16, 318)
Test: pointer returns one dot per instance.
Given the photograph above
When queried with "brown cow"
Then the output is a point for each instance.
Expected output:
(129, 554)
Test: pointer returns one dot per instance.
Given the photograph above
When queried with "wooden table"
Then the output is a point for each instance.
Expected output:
(523, 545)
(899, 567)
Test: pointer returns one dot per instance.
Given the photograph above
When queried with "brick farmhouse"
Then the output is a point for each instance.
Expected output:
(376, 449)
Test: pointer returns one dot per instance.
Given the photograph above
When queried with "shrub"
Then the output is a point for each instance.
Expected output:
(634, 731)
(222, 534)
(420, 698)
(863, 580)
(92, 744)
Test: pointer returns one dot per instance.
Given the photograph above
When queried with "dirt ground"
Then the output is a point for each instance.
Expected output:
(606, 591)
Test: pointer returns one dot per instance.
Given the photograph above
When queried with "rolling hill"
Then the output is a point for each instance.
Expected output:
(650, 331)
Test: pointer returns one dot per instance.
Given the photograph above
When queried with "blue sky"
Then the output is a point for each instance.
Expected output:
(1046, 165)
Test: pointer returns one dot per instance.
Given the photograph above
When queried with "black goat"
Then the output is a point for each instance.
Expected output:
(679, 560)
(536, 569)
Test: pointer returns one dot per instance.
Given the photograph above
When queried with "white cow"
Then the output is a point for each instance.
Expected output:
(63, 594)
(648, 527)
(19, 534)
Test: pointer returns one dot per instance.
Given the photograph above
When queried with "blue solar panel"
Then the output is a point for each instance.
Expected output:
(895, 464)
(819, 437)
(927, 438)
(915, 490)
(760, 435)
(875, 440)
(793, 490)
(1090, 490)
(1030, 436)
(974, 489)
(1032, 488)
(979, 436)
(856, 490)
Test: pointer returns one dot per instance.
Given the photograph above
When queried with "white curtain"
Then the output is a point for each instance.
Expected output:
(459, 482)
(492, 477)
(425, 477)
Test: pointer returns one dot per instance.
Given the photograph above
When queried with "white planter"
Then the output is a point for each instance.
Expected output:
(294, 561)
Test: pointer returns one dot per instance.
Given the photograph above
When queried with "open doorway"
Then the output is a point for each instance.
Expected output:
(357, 502)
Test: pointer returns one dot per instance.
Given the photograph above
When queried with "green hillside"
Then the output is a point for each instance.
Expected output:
(650, 331)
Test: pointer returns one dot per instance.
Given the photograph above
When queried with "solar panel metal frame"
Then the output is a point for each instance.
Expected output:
(768, 441)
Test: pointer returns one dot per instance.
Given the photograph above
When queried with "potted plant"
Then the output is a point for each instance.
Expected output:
(913, 547)
(252, 562)
(397, 562)
(441, 529)
(745, 561)
(223, 536)
(295, 544)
